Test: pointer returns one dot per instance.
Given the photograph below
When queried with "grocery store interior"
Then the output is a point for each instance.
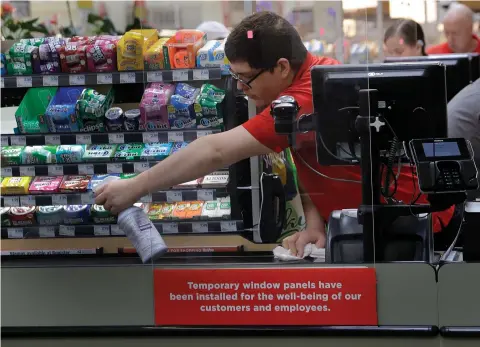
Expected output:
(240, 172)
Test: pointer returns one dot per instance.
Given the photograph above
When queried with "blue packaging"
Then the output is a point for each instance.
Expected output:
(96, 179)
(182, 113)
(76, 214)
(60, 114)
(156, 151)
(187, 91)
(4, 64)
(178, 146)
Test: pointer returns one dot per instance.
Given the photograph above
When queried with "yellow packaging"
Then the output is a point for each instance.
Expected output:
(153, 58)
(131, 47)
(150, 36)
(15, 185)
(130, 52)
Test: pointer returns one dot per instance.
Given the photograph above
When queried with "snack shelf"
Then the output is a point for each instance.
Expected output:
(195, 226)
(115, 77)
(88, 198)
(171, 135)
(77, 169)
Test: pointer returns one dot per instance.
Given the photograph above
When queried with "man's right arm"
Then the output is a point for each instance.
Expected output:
(200, 158)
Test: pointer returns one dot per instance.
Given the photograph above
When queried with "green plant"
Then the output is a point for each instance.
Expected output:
(102, 25)
(15, 29)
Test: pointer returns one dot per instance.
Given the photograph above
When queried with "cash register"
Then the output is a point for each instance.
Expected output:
(380, 116)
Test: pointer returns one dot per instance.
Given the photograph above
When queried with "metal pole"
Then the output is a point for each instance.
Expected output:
(340, 51)
(381, 54)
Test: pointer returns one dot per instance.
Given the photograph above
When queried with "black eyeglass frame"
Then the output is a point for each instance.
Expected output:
(246, 83)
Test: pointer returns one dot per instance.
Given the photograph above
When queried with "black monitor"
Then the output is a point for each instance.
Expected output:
(462, 69)
(411, 97)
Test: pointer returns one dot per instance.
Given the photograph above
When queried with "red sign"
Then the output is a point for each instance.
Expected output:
(275, 296)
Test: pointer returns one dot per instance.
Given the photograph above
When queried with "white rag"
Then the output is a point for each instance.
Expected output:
(310, 251)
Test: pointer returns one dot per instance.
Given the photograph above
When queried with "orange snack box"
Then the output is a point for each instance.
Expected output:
(180, 51)
(194, 210)
(180, 210)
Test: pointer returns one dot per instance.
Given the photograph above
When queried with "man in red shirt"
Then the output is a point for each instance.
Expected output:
(268, 59)
(458, 28)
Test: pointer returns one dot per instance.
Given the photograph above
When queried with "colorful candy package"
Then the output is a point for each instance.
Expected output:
(102, 56)
(48, 60)
(153, 106)
(19, 59)
(73, 57)
(210, 100)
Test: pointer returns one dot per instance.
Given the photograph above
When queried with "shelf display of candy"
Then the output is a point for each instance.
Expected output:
(183, 211)
(136, 50)
(79, 109)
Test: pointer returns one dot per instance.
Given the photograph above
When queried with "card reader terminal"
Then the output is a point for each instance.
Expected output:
(444, 165)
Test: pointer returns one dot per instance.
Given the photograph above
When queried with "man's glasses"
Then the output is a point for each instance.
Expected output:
(242, 81)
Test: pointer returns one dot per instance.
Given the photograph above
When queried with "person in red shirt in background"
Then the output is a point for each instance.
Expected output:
(458, 28)
(268, 59)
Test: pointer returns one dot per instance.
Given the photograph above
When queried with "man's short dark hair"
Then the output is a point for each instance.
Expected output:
(272, 37)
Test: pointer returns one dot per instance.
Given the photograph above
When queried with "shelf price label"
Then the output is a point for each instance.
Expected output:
(115, 138)
(46, 231)
(59, 200)
(104, 78)
(115, 230)
(114, 168)
(200, 227)
(50, 81)
(170, 228)
(52, 139)
(201, 74)
(205, 195)
(180, 75)
(202, 133)
(76, 80)
(85, 169)
(4, 140)
(18, 140)
(27, 200)
(55, 170)
(3, 83)
(127, 77)
(7, 172)
(228, 226)
(150, 137)
(15, 233)
(174, 196)
(101, 230)
(24, 82)
(154, 76)
(66, 230)
(175, 136)
(11, 201)
(28, 171)
(83, 139)
(140, 167)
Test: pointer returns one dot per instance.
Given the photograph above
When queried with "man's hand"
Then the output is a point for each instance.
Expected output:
(118, 195)
(296, 243)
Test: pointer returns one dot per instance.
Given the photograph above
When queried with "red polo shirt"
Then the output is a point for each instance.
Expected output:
(443, 48)
(327, 195)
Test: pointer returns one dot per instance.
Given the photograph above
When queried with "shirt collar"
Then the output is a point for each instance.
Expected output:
(305, 67)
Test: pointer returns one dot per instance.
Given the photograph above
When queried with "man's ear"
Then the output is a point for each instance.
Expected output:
(284, 66)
